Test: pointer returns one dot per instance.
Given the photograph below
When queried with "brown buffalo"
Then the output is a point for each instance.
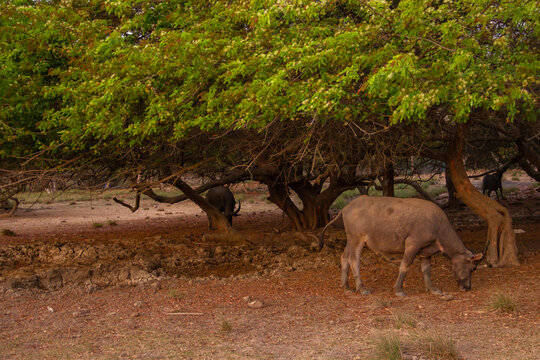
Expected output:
(411, 227)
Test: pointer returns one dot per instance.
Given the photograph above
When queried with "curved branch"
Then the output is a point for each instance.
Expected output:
(12, 211)
(500, 170)
(132, 208)
(416, 187)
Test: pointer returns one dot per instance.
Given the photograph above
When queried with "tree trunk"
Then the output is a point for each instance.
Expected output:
(219, 222)
(316, 204)
(388, 180)
(530, 162)
(501, 242)
(314, 213)
(453, 201)
(280, 197)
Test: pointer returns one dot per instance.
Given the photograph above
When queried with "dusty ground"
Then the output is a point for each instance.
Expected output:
(153, 286)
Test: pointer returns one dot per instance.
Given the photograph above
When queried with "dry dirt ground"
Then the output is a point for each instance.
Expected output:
(155, 285)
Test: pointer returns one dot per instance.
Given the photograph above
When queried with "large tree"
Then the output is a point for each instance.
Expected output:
(455, 64)
(292, 92)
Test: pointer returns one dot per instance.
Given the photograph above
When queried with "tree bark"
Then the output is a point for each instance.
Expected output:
(316, 204)
(530, 162)
(416, 186)
(453, 201)
(280, 197)
(501, 242)
(388, 180)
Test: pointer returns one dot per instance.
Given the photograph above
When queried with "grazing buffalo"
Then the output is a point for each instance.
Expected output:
(492, 182)
(223, 199)
(412, 227)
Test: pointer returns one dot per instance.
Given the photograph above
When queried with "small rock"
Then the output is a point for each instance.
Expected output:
(50, 309)
(80, 312)
(283, 259)
(255, 304)
(156, 286)
(447, 297)
(247, 299)
(314, 246)
(138, 304)
(246, 260)
(296, 251)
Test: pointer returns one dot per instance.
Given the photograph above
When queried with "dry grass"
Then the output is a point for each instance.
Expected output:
(404, 321)
(436, 346)
(388, 347)
(225, 326)
(503, 303)
(415, 344)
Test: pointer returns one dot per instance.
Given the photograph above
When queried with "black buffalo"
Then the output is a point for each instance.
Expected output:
(223, 199)
(492, 182)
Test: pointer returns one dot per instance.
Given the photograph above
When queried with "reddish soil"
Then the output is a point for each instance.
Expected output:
(154, 287)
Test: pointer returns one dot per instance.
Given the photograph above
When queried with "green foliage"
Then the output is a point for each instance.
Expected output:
(133, 80)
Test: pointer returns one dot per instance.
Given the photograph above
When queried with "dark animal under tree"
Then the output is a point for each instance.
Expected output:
(223, 199)
(493, 182)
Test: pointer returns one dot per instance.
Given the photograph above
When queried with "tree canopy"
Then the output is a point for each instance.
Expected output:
(291, 92)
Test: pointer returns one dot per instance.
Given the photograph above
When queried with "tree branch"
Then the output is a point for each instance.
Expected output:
(132, 208)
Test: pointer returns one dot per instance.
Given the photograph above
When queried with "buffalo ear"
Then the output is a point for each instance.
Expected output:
(477, 257)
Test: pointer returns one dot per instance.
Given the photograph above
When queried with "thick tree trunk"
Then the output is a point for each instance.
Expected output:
(502, 249)
(388, 180)
(280, 197)
(316, 204)
(314, 213)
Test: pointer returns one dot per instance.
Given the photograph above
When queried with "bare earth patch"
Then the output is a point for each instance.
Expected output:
(150, 285)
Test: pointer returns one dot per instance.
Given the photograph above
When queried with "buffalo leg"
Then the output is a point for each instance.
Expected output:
(345, 269)
(426, 271)
(406, 262)
(356, 261)
(502, 195)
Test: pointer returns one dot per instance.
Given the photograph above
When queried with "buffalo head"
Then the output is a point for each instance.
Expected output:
(463, 266)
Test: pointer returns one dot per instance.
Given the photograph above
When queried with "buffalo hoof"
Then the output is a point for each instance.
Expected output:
(400, 294)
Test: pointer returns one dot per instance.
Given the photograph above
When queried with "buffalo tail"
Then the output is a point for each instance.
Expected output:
(321, 236)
